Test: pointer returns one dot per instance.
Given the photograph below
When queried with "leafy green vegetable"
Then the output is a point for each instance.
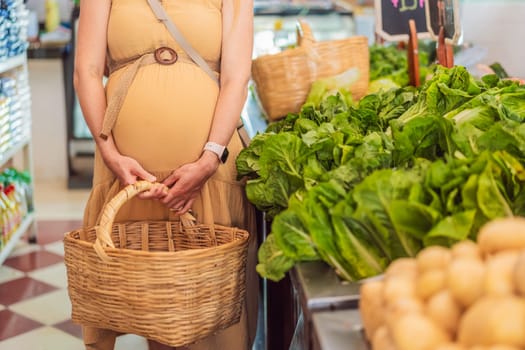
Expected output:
(373, 197)
(382, 84)
(390, 62)
(491, 201)
(414, 218)
(247, 161)
(360, 184)
(340, 83)
(291, 235)
(499, 70)
(355, 244)
(314, 213)
(512, 105)
(273, 264)
(453, 228)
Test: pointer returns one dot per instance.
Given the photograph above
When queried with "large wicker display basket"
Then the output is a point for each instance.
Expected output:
(282, 81)
(172, 281)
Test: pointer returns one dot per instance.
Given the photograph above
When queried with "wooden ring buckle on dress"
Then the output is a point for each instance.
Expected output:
(162, 59)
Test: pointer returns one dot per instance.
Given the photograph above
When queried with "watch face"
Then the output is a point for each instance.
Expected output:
(224, 156)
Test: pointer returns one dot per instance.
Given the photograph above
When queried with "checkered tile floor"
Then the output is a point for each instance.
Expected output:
(34, 304)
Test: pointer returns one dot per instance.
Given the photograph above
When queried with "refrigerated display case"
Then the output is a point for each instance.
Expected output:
(80, 144)
(275, 29)
(275, 23)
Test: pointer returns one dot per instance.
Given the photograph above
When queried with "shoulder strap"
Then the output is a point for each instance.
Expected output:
(162, 16)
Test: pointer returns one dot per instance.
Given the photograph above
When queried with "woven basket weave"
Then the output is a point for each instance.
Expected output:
(171, 281)
(283, 80)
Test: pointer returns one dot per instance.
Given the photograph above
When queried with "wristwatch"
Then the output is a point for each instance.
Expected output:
(219, 150)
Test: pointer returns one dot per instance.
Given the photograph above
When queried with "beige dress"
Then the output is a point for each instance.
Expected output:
(164, 123)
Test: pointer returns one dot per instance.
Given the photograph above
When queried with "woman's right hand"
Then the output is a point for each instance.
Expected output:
(128, 171)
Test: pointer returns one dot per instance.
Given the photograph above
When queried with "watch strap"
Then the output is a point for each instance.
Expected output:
(214, 147)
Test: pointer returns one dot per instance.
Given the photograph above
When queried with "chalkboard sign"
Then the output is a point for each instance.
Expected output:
(392, 18)
(448, 10)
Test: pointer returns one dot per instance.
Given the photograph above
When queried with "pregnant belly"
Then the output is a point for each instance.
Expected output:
(166, 116)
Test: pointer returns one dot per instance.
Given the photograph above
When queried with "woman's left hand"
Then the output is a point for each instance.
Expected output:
(186, 182)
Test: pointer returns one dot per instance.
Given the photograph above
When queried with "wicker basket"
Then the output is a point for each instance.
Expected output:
(283, 80)
(171, 281)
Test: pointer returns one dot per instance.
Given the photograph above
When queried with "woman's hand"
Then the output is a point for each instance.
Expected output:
(129, 171)
(186, 182)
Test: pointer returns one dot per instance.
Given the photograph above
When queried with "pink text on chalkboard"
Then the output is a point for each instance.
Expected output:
(407, 5)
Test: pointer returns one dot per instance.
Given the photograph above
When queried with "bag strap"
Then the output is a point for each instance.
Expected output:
(162, 16)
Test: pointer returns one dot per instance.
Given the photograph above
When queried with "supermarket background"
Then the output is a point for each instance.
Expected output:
(34, 307)
(494, 26)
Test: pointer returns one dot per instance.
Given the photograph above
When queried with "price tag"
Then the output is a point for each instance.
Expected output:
(443, 13)
(392, 17)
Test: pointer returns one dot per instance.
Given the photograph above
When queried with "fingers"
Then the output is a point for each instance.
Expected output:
(174, 194)
(127, 179)
(157, 191)
(187, 207)
(184, 185)
(170, 180)
(130, 171)
(181, 205)
(140, 173)
(176, 204)
(183, 208)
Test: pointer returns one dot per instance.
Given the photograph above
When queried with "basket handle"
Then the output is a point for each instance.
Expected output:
(104, 228)
(305, 36)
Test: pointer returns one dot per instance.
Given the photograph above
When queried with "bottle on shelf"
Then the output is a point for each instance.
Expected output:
(12, 185)
(26, 183)
(9, 214)
(280, 35)
(3, 224)
(52, 15)
(5, 138)
(15, 201)
(21, 181)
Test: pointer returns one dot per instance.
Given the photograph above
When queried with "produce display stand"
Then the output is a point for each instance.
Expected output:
(312, 308)
(330, 315)
(319, 290)
(337, 330)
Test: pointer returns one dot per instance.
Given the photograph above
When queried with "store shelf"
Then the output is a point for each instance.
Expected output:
(39, 51)
(4, 157)
(12, 62)
(338, 330)
(24, 226)
(280, 8)
(319, 288)
(17, 114)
